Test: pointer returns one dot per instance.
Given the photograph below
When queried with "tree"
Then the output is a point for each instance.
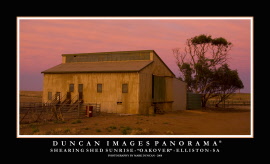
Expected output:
(227, 82)
(198, 61)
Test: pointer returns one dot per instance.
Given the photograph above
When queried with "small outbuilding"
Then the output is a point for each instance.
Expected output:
(131, 82)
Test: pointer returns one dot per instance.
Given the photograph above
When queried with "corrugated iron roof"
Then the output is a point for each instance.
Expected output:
(87, 67)
(110, 52)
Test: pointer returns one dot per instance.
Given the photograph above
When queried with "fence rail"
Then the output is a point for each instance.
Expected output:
(42, 112)
(229, 103)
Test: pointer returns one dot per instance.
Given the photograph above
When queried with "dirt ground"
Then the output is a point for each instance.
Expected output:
(210, 121)
(187, 122)
(30, 96)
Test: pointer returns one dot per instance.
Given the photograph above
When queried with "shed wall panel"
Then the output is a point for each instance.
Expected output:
(179, 95)
(139, 97)
(111, 89)
(194, 100)
(145, 91)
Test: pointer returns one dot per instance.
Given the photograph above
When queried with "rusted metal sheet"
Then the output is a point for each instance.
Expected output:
(124, 66)
(107, 57)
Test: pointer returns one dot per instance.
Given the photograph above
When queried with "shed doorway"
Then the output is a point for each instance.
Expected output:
(57, 96)
(80, 90)
(158, 88)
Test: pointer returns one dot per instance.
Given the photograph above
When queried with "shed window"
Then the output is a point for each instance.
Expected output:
(99, 88)
(124, 88)
(49, 95)
(71, 87)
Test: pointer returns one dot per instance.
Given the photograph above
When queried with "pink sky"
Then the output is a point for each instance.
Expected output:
(42, 41)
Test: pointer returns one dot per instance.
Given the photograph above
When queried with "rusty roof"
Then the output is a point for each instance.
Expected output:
(110, 52)
(88, 67)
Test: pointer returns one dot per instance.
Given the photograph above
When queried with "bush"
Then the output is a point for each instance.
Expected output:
(126, 130)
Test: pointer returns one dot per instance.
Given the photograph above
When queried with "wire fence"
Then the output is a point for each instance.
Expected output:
(229, 103)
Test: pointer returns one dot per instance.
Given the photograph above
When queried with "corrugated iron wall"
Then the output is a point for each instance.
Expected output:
(107, 57)
(159, 88)
(194, 101)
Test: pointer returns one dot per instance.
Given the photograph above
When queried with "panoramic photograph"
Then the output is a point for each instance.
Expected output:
(134, 77)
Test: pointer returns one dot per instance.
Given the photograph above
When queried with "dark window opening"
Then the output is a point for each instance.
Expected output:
(124, 88)
(80, 88)
(71, 87)
(99, 88)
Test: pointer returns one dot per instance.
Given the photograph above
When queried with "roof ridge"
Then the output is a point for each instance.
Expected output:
(109, 52)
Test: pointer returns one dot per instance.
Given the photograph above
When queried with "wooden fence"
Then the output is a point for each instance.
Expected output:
(41, 112)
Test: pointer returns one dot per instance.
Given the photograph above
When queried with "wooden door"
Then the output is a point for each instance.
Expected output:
(80, 90)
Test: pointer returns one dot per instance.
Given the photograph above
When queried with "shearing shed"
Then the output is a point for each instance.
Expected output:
(128, 82)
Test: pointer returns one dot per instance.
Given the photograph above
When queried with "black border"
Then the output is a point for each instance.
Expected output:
(230, 147)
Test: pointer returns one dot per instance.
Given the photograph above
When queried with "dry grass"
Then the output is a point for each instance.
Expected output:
(31, 96)
(188, 122)
(238, 96)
